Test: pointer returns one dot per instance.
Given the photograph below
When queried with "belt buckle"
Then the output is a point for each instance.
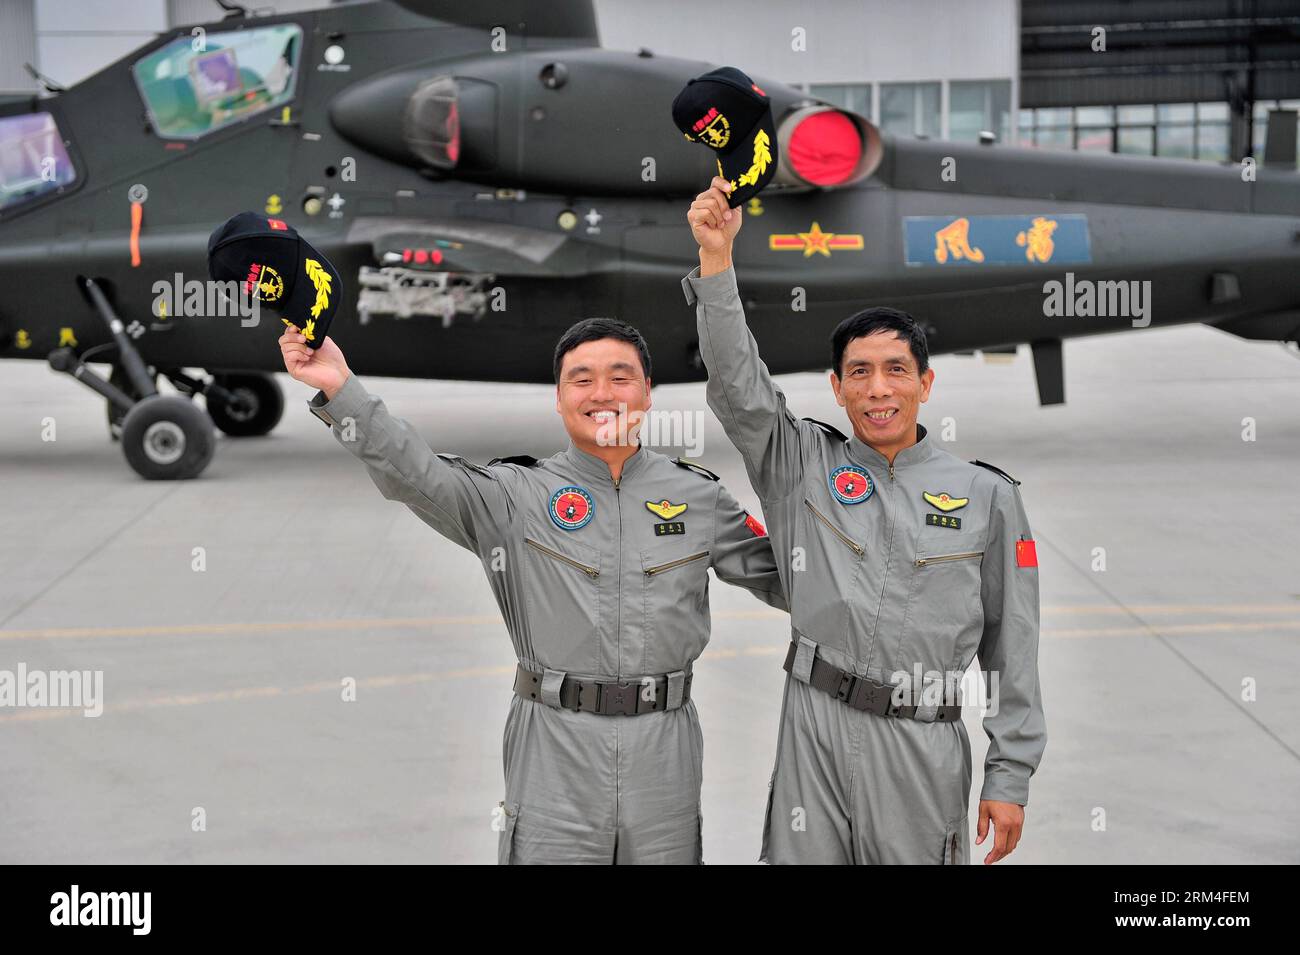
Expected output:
(876, 697)
(618, 698)
(848, 687)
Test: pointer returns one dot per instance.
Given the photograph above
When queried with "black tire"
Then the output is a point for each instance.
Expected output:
(266, 400)
(167, 438)
(115, 415)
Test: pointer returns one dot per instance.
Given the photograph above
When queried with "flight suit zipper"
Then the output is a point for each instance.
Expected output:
(922, 561)
(585, 568)
(889, 558)
(651, 571)
(618, 625)
(855, 547)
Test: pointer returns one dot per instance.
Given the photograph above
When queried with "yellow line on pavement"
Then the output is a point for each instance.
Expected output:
(418, 623)
(721, 653)
(255, 693)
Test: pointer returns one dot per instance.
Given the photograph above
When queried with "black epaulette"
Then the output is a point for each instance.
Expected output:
(1005, 475)
(833, 431)
(702, 472)
(527, 460)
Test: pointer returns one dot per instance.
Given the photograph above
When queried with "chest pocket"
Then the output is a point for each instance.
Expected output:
(832, 554)
(563, 584)
(675, 604)
(944, 597)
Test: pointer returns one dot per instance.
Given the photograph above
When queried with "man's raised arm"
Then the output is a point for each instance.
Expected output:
(741, 392)
(458, 499)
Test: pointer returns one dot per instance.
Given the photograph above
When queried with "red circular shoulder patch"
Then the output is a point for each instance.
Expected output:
(851, 484)
(572, 507)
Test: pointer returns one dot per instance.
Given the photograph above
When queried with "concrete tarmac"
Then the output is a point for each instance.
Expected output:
(1167, 675)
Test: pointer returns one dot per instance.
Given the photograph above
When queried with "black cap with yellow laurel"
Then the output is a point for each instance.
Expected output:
(278, 267)
(725, 110)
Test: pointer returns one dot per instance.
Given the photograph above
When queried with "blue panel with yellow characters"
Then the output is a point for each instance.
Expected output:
(996, 240)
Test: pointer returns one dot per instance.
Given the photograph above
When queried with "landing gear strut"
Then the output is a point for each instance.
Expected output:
(115, 412)
(164, 437)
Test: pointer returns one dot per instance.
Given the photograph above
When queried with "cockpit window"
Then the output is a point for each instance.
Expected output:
(195, 85)
(33, 160)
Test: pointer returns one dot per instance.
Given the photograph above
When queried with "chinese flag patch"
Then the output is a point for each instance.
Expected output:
(1026, 554)
(277, 224)
(754, 526)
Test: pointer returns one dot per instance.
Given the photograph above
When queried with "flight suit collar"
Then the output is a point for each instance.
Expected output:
(914, 454)
(594, 469)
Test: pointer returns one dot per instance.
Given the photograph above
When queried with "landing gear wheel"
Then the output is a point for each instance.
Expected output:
(261, 411)
(115, 414)
(165, 437)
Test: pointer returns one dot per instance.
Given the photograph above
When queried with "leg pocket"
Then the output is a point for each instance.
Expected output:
(955, 849)
(767, 822)
(508, 816)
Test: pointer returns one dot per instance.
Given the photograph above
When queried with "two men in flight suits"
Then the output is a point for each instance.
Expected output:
(899, 564)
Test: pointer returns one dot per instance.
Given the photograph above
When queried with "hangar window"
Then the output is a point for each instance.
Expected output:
(1053, 128)
(1260, 125)
(1094, 129)
(33, 160)
(978, 105)
(1179, 130)
(910, 109)
(855, 97)
(195, 85)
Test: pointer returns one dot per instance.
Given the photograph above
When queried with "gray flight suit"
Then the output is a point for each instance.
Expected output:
(593, 583)
(880, 582)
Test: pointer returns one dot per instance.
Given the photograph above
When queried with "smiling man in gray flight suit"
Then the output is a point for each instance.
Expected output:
(597, 557)
(901, 563)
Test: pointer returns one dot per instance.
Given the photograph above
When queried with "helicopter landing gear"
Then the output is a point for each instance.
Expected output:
(116, 412)
(164, 437)
(255, 406)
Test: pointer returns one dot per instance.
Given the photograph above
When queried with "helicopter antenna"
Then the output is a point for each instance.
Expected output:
(45, 81)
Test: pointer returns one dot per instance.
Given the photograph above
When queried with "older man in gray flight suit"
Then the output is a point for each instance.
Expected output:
(597, 557)
(901, 563)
